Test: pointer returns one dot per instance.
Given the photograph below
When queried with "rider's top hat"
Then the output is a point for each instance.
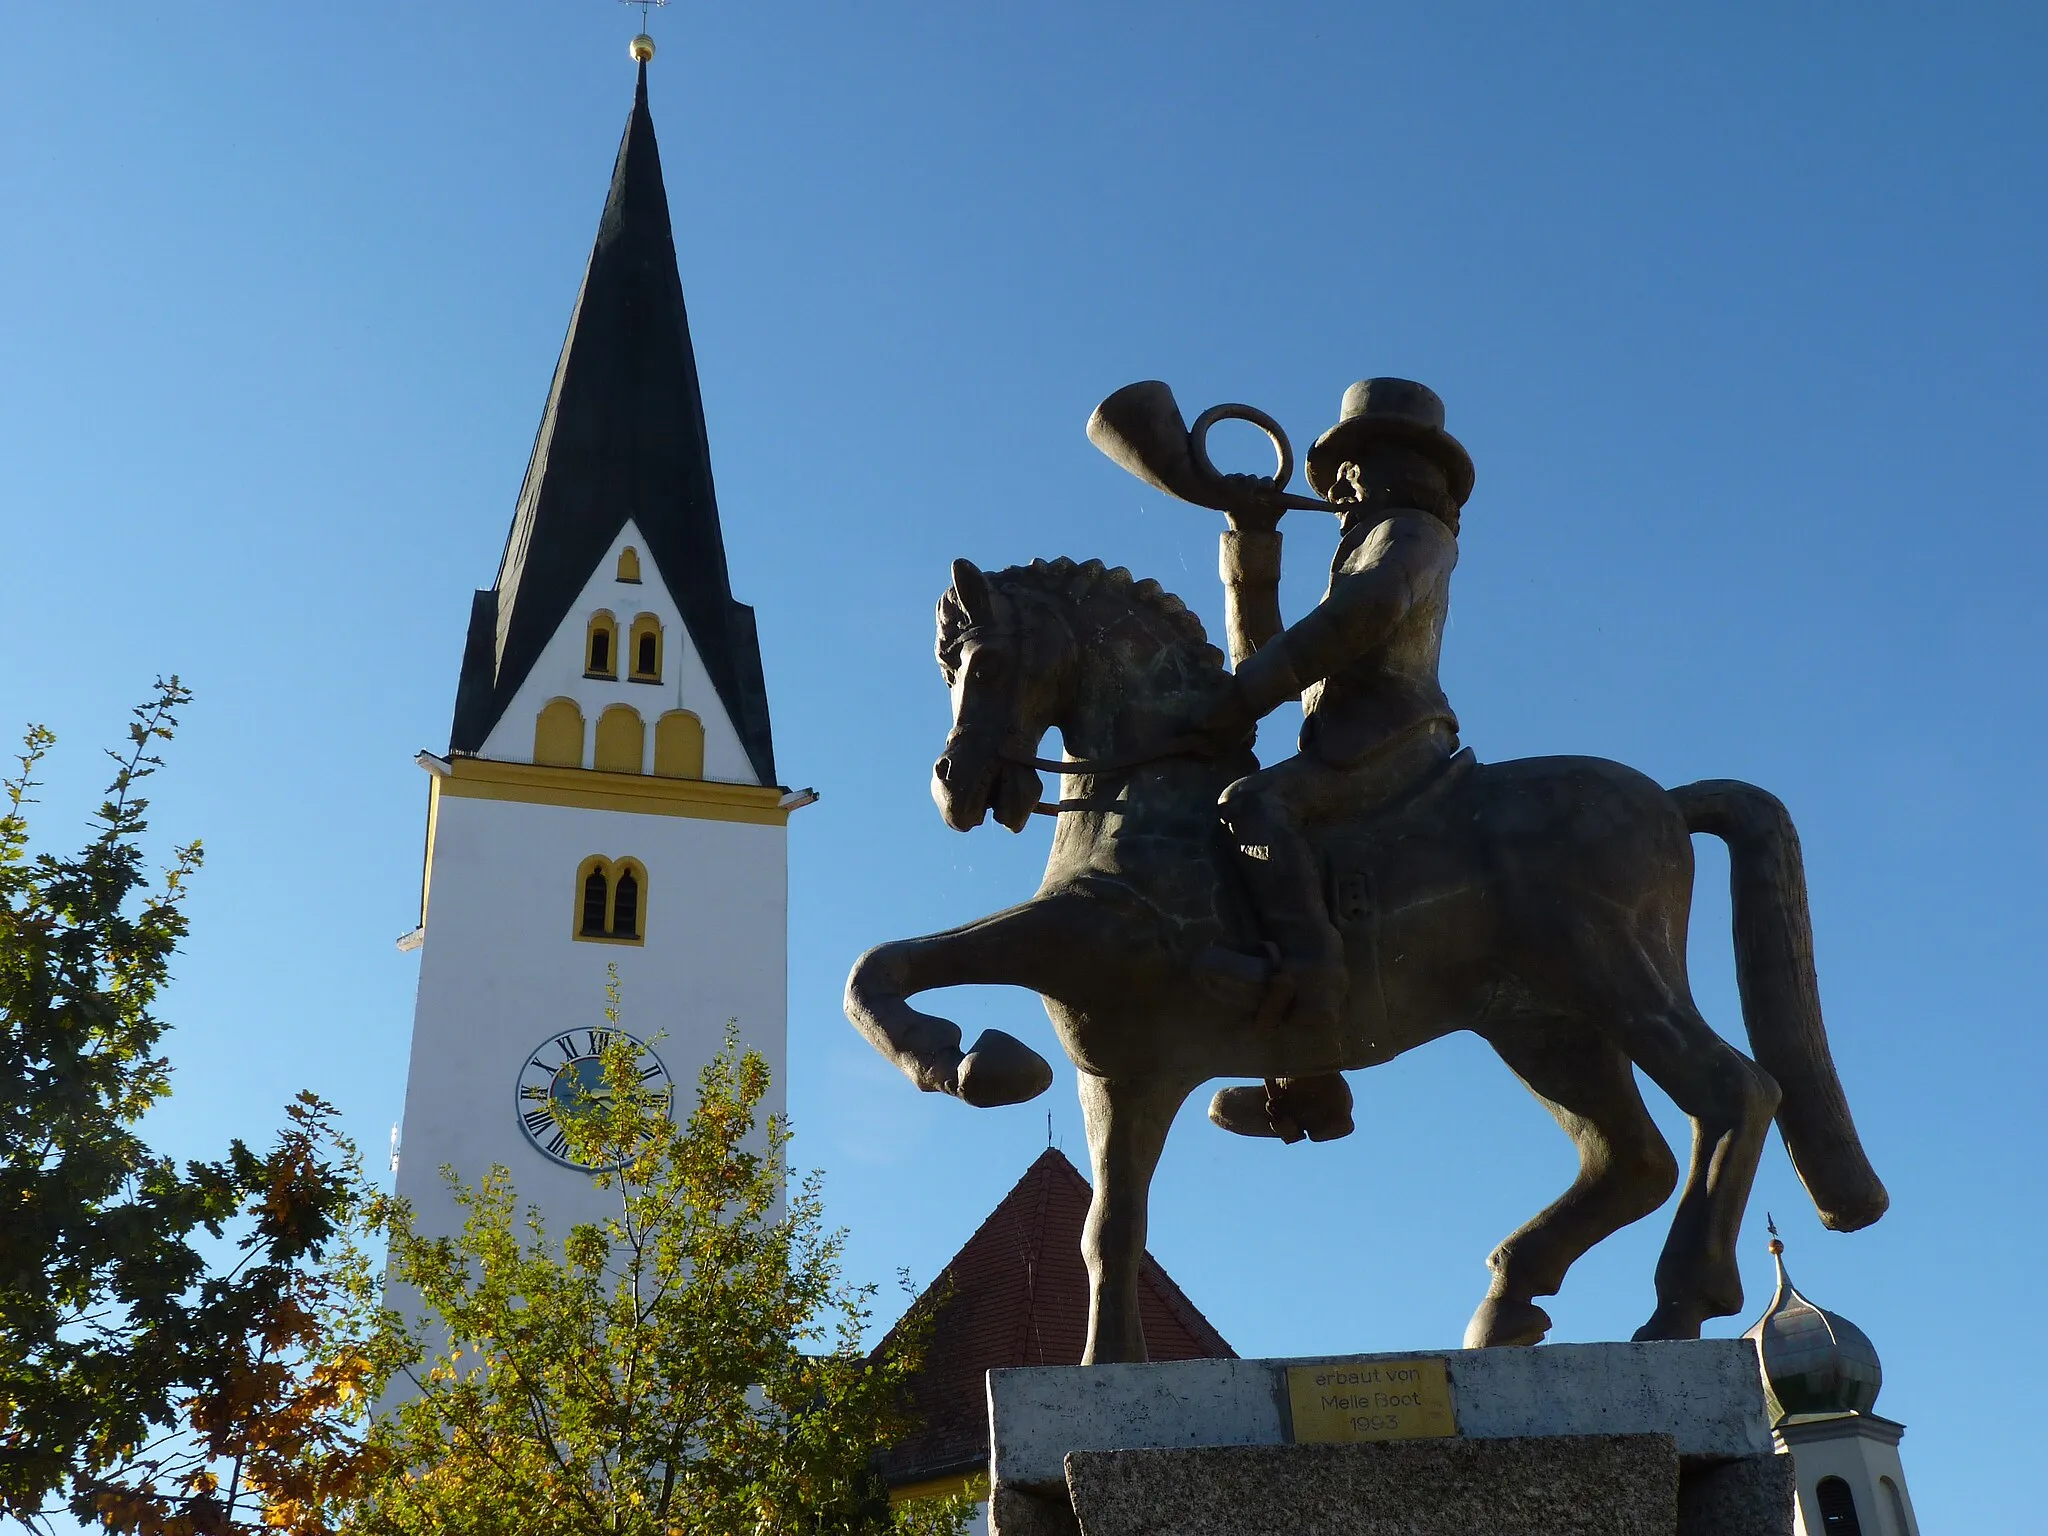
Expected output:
(1390, 408)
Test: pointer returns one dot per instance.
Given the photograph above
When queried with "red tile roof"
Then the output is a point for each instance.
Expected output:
(1017, 1294)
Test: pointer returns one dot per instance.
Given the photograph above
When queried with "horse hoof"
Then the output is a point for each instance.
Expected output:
(1668, 1323)
(1001, 1069)
(1501, 1321)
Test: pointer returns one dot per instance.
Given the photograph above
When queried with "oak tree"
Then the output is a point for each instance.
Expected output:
(183, 1350)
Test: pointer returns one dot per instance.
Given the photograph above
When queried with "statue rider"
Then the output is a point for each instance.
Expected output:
(1364, 665)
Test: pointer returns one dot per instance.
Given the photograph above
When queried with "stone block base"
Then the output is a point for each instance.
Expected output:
(1619, 1439)
(1750, 1497)
(1554, 1485)
(1013, 1512)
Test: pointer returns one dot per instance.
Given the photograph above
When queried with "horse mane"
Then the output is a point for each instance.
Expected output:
(1071, 583)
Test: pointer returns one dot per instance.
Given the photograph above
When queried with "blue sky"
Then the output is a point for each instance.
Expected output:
(1740, 312)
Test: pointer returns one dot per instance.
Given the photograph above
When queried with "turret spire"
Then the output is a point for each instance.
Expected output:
(1814, 1361)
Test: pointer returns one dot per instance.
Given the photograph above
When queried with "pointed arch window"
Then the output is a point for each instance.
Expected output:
(679, 745)
(646, 649)
(629, 564)
(621, 741)
(625, 904)
(1897, 1501)
(601, 647)
(558, 735)
(597, 901)
(611, 901)
(1837, 1503)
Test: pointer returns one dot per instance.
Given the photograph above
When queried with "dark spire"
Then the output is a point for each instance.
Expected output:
(622, 437)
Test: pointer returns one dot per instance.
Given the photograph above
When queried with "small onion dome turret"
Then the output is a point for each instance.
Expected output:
(1814, 1362)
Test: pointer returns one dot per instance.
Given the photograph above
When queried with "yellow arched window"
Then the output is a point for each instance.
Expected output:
(558, 735)
(629, 564)
(611, 901)
(621, 741)
(645, 652)
(679, 745)
(629, 901)
(601, 647)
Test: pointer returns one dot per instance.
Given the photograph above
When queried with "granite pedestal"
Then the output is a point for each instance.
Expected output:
(1651, 1439)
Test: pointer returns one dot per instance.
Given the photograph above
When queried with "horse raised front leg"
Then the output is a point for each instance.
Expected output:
(1007, 948)
(1127, 1123)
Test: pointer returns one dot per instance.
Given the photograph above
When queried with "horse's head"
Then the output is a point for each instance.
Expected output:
(1110, 661)
(1002, 663)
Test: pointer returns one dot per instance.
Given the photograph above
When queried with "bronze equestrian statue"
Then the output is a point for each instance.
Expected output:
(1203, 918)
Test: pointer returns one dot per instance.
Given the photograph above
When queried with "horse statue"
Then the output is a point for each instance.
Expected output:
(1541, 904)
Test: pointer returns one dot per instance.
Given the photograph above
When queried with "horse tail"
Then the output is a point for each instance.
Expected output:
(1781, 995)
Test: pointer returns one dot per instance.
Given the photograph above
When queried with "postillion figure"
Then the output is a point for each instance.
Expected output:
(1364, 666)
(1202, 917)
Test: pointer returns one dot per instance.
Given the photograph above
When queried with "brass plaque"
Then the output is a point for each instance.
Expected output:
(1370, 1400)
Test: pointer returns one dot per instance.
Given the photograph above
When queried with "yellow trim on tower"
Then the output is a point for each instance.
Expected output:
(601, 622)
(973, 1484)
(644, 625)
(480, 778)
(427, 859)
(621, 740)
(609, 870)
(558, 734)
(679, 745)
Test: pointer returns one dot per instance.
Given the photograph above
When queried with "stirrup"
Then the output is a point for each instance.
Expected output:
(1278, 1002)
(1284, 1124)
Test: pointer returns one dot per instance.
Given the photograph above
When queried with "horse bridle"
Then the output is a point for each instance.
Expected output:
(1191, 744)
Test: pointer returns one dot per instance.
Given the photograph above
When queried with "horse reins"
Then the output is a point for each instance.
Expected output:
(1187, 744)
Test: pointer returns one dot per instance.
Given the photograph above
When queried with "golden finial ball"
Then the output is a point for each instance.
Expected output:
(643, 48)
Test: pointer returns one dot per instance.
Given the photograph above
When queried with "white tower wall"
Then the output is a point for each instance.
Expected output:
(1862, 1450)
(501, 973)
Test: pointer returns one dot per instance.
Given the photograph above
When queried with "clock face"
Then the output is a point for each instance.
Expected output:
(566, 1069)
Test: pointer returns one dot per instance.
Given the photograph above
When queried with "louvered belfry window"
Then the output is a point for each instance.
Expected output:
(594, 902)
(1837, 1508)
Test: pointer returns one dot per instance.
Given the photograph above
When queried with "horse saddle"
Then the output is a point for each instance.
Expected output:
(1356, 852)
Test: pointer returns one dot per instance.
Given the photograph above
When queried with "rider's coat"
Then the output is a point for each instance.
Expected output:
(1364, 662)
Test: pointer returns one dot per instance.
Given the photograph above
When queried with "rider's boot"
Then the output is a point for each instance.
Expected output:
(1290, 1108)
(1309, 976)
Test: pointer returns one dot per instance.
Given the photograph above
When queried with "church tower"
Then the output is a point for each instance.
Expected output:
(609, 795)
(1821, 1379)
